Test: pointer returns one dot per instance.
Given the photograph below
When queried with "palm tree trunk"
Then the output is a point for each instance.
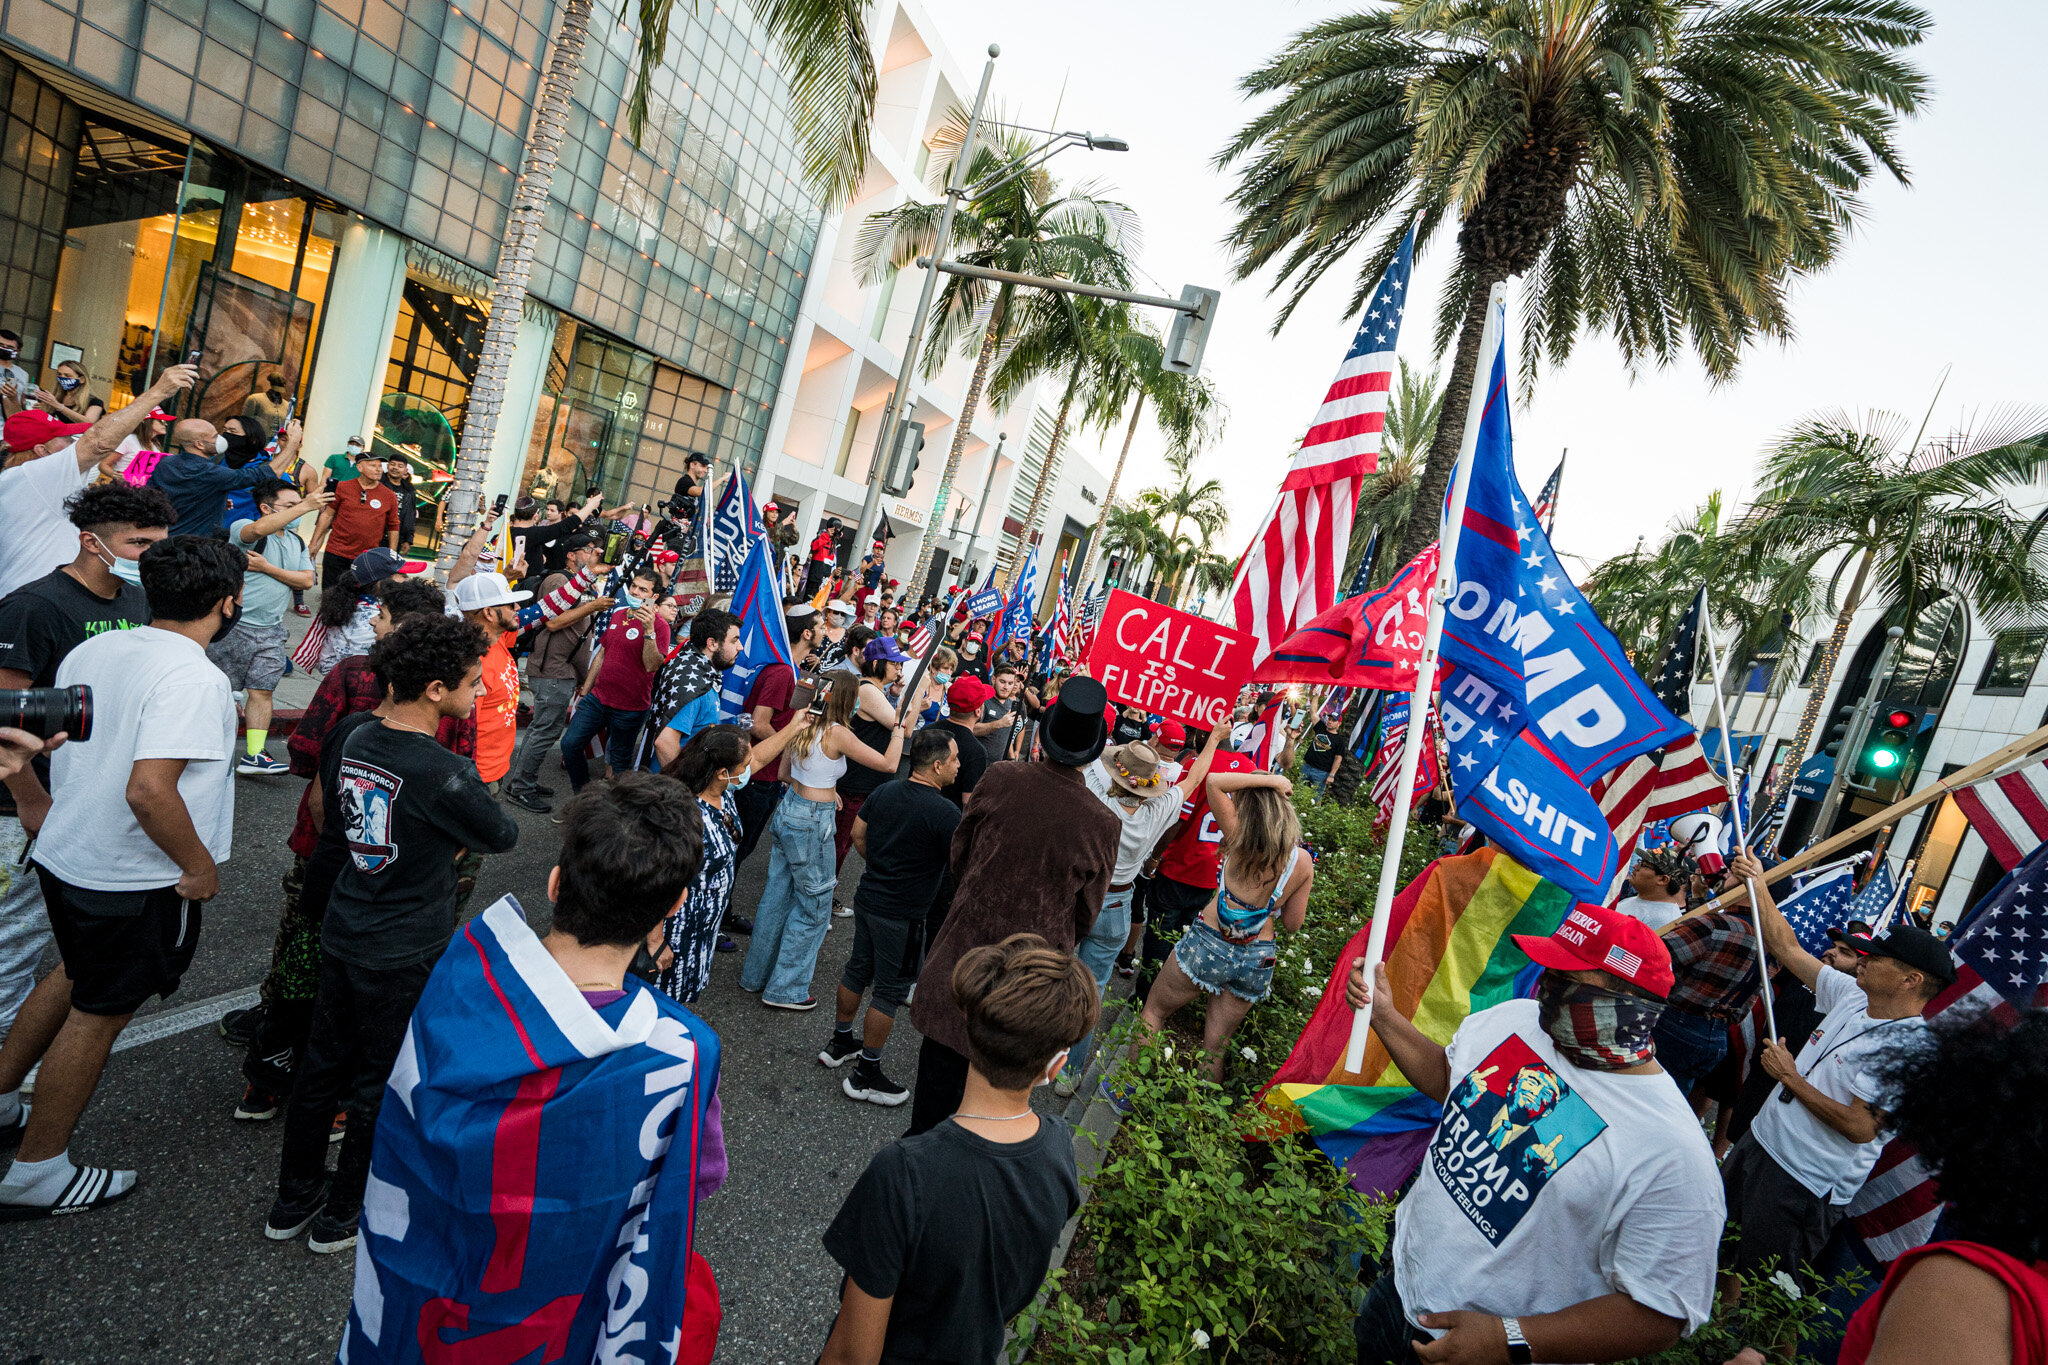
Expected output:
(1450, 428)
(1824, 667)
(1109, 498)
(1045, 469)
(544, 140)
(989, 341)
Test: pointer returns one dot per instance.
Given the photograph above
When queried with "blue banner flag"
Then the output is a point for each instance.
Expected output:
(764, 633)
(534, 1154)
(1538, 699)
(1016, 623)
(735, 525)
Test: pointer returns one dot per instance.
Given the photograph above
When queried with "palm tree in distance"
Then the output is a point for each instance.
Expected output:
(1907, 519)
(1186, 499)
(1663, 171)
(830, 72)
(1130, 533)
(1017, 222)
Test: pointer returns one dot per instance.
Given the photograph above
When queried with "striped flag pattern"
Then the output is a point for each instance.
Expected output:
(1546, 501)
(1651, 787)
(1062, 626)
(1288, 575)
(2009, 812)
(921, 639)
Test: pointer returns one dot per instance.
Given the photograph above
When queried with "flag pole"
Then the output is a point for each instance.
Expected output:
(1756, 909)
(1425, 672)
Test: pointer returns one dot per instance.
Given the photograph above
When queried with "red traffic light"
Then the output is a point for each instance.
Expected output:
(1899, 720)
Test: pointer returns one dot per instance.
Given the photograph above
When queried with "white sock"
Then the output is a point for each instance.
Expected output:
(37, 1182)
(11, 1108)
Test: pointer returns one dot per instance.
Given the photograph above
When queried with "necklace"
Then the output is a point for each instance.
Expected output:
(600, 985)
(401, 725)
(995, 1118)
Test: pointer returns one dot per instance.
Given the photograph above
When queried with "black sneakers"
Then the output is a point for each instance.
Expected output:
(258, 1105)
(527, 800)
(843, 1048)
(240, 1027)
(868, 1083)
(288, 1218)
(329, 1234)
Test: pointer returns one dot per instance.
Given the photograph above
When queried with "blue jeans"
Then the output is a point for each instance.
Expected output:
(1098, 954)
(796, 906)
(622, 730)
(1317, 778)
(1689, 1046)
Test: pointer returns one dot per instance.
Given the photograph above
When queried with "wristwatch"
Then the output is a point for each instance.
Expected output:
(1518, 1345)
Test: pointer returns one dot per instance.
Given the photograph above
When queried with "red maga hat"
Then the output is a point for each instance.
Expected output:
(1599, 938)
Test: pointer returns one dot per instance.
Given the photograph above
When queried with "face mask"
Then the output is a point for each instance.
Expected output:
(127, 570)
(220, 444)
(944, 678)
(1052, 1071)
(227, 623)
(632, 603)
(66, 383)
(354, 449)
(740, 779)
(1596, 1028)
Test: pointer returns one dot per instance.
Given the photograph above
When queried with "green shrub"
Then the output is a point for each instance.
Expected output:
(1777, 1312)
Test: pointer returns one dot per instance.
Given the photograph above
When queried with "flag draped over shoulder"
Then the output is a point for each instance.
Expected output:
(1449, 955)
(532, 1194)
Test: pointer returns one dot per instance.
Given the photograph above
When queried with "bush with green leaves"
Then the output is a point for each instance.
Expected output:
(1777, 1313)
(1201, 1245)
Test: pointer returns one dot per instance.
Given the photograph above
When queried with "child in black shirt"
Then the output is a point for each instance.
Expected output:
(947, 1235)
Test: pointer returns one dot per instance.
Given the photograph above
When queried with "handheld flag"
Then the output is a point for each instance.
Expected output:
(764, 632)
(1373, 641)
(1819, 906)
(734, 526)
(1016, 621)
(1546, 501)
(1288, 576)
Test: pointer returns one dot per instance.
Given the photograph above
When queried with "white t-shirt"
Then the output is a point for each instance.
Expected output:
(154, 695)
(1545, 1185)
(1838, 1060)
(35, 535)
(1143, 823)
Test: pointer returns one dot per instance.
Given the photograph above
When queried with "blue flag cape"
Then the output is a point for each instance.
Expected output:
(532, 1188)
(1538, 699)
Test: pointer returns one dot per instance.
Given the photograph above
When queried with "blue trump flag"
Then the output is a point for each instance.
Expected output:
(1016, 623)
(735, 525)
(764, 633)
(533, 1188)
(1538, 699)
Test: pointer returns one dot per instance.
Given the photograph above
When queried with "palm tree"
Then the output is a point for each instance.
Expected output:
(1185, 408)
(1131, 532)
(1388, 501)
(1019, 220)
(1906, 519)
(1185, 500)
(830, 71)
(1664, 171)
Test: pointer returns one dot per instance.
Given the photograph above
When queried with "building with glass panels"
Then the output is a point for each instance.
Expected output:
(315, 190)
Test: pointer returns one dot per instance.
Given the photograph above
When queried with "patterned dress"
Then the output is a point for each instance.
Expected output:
(693, 929)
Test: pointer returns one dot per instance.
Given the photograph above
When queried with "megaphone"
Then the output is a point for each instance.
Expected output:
(1698, 836)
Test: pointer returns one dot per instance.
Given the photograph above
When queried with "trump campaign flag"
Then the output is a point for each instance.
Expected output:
(735, 525)
(533, 1188)
(1538, 699)
(764, 633)
(1016, 622)
(1364, 641)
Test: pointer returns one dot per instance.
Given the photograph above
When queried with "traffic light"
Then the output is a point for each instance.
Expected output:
(1891, 741)
(1838, 730)
(901, 470)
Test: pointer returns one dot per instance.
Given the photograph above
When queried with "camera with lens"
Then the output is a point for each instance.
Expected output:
(48, 711)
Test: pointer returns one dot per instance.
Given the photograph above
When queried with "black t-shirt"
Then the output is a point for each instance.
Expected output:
(1321, 750)
(1126, 730)
(408, 807)
(45, 619)
(956, 1230)
(910, 841)
(859, 779)
(974, 660)
(330, 851)
(973, 761)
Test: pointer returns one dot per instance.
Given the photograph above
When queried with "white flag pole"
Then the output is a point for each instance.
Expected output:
(1425, 673)
(1756, 910)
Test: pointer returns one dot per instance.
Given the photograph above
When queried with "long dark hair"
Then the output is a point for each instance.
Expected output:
(710, 749)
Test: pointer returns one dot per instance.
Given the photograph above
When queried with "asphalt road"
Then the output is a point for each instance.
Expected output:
(180, 1270)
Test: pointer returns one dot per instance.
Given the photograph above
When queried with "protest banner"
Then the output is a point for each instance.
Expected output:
(1168, 662)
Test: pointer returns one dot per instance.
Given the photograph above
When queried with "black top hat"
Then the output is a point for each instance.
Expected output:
(1074, 730)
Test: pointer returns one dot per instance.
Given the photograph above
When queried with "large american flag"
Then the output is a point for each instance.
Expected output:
(1289, 573)
(1062, 626)
(2010, 811)
(2001, 953)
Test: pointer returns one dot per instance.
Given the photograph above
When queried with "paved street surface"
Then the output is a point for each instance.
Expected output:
(180, 1270)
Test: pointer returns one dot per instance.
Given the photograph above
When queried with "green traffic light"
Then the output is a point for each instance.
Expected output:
(1884, 760)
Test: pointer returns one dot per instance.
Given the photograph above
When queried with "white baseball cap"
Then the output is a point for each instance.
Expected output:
(481, 590)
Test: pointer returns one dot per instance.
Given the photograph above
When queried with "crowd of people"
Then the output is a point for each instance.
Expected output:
(1023, 843)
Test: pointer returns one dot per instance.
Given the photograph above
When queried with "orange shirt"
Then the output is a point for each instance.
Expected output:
(497, 710)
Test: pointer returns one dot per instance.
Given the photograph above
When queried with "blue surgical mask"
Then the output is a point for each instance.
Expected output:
(127, 570)
(944, 678)
(632, 603)
(740, 779)
(66, 382)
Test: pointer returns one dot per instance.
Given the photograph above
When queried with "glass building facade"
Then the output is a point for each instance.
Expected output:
(177, 172)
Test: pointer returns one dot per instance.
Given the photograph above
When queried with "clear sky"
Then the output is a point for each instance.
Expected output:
(1949, 272)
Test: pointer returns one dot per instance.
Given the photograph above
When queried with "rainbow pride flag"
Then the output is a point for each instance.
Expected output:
(1449, 953)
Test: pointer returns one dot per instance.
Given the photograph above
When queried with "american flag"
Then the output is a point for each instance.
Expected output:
(2010, 811)
(1386, 777)
(1062, 627)
(2001, 953)
(1546, 501)
(1665, 782)
(1876, 896)
(1822, 904)
(1289, 573)
(921, 639)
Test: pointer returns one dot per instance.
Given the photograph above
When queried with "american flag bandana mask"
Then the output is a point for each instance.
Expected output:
(1598, 1029)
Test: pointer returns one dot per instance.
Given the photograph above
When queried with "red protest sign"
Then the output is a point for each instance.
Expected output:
(1168, 662)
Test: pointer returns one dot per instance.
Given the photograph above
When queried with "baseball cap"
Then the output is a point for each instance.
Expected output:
(1597, 938)
(481, 590)
(1172, 734)
(378, 563)
(968, 692)
(884, 647)
(1914, 946)
(32, 427)
(581, 540)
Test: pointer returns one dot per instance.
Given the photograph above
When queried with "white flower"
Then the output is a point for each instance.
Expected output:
(1201, 1340)
(1786, 1283)
(1248, 1054)
(1311, 990)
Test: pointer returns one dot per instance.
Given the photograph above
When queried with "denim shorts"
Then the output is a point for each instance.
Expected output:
(1216, 964)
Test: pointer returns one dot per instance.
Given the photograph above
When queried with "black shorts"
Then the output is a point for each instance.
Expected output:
(120, 947)
(887, 954)
(1777, 1219)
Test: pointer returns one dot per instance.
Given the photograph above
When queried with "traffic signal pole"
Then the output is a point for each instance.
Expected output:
(1858, 731)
